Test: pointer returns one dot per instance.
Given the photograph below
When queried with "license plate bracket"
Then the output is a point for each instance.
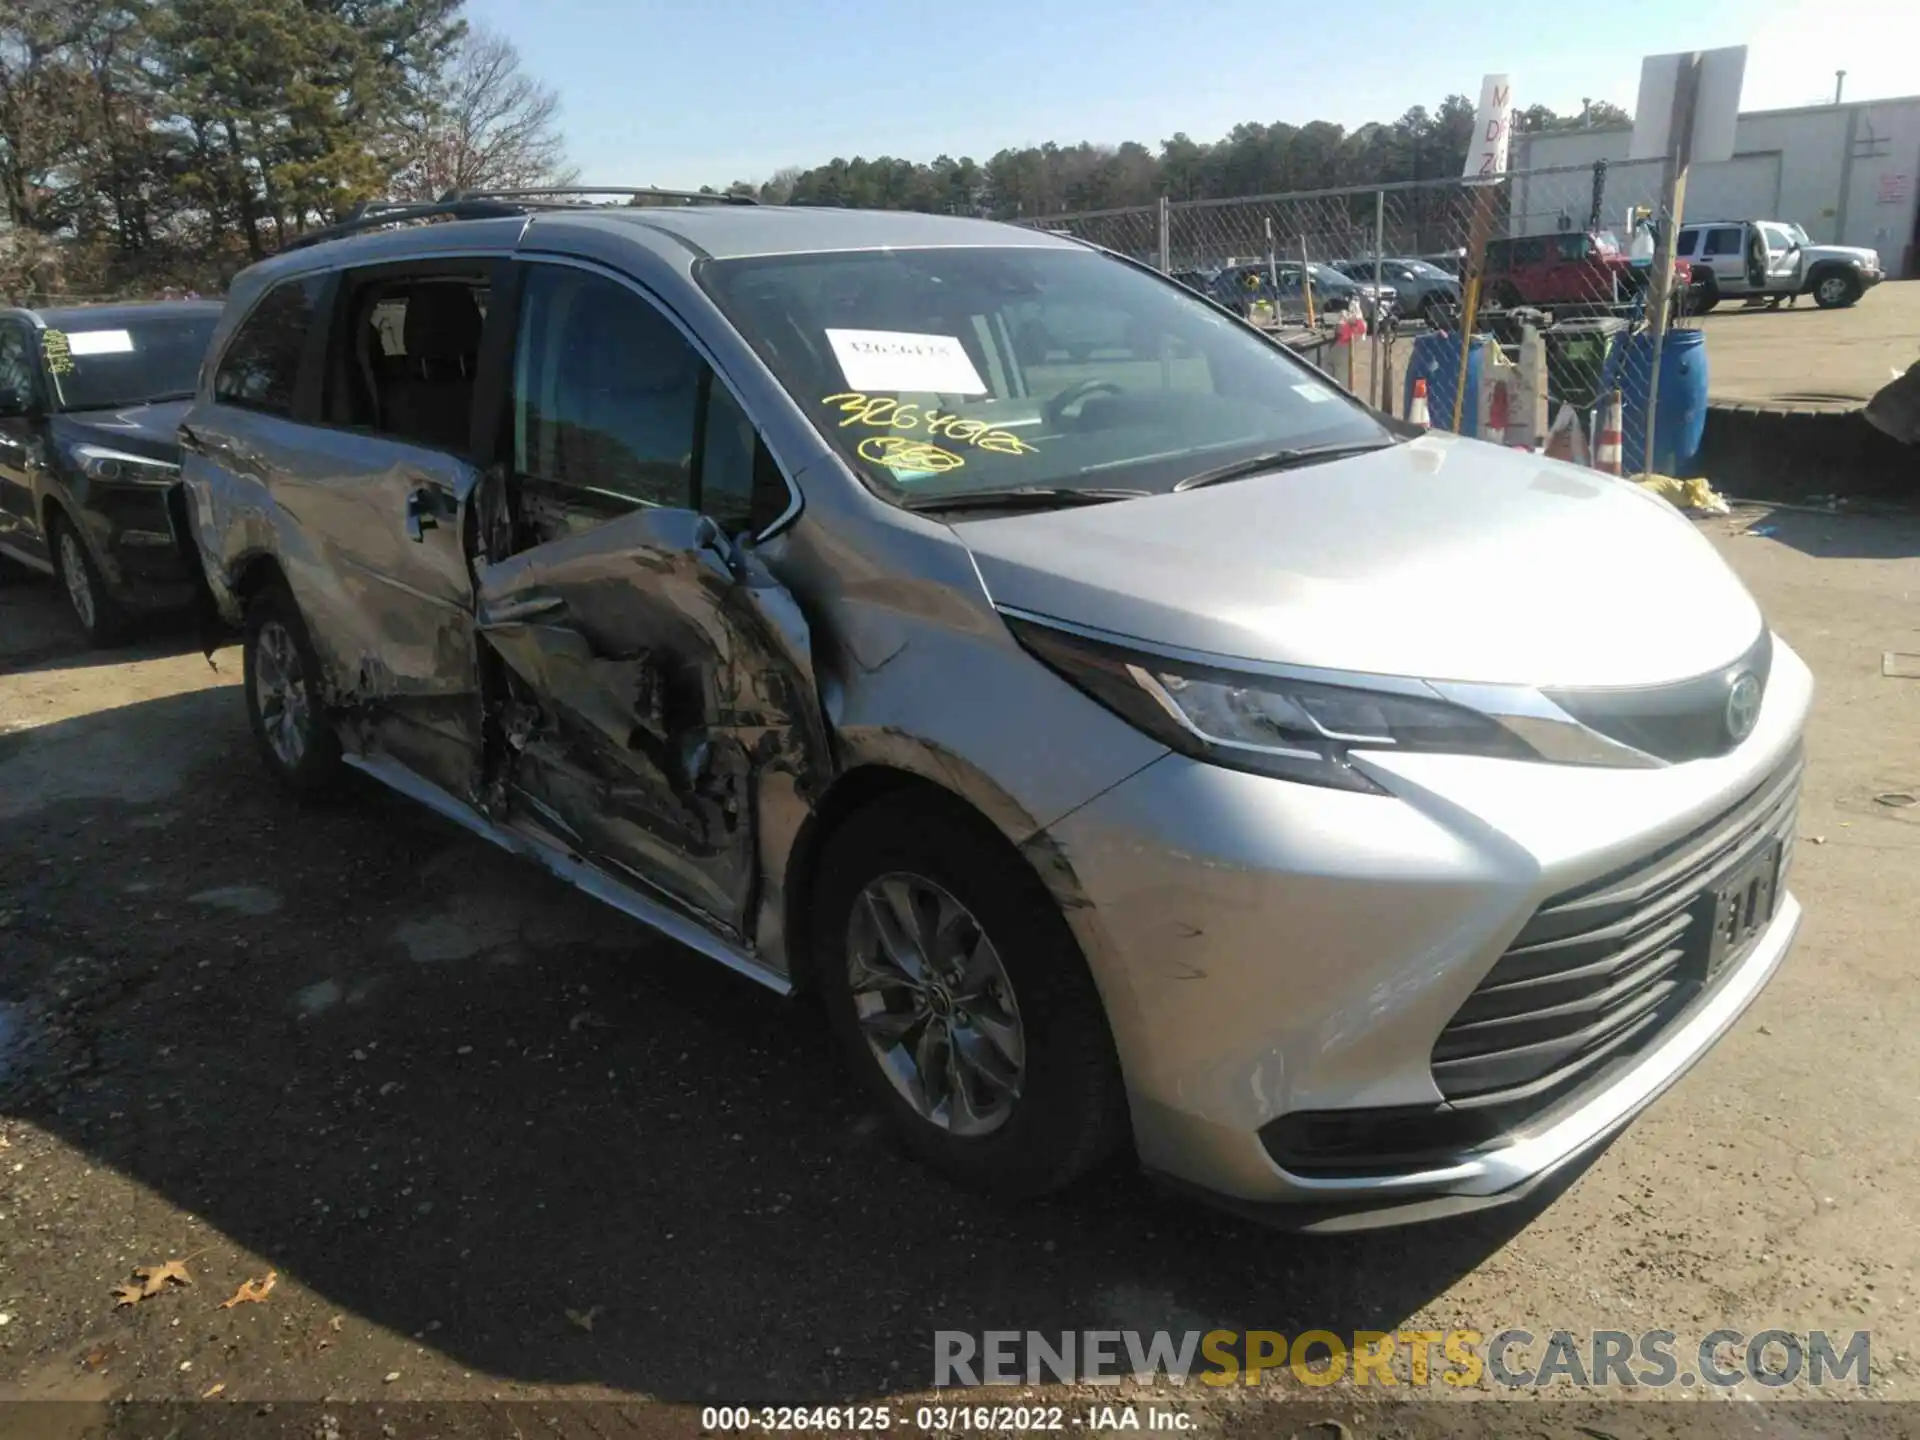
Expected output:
(1742, 904)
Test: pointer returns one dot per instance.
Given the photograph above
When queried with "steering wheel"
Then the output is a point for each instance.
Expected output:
(1055, 410)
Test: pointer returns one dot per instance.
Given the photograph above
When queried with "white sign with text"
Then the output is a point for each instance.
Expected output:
(1492, 133)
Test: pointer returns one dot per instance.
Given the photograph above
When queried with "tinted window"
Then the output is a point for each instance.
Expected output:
(1723, 240)
(1684, 242)
(99, 363)
(405, 363)
(261, 365)
(940, 371)
(606, 393)
(19, 384)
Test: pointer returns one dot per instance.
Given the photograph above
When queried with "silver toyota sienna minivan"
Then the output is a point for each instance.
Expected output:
(1126, 737)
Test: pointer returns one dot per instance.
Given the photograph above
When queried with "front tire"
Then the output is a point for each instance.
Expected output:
(960, 999)
(290, 726)
(1836, 290)
(99, 616)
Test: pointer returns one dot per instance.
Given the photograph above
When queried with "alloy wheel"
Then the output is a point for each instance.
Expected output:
(935, 1005)
(280, 691)
(73, 571)
(1833, 290)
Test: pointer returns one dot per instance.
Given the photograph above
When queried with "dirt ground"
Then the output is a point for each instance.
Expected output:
(493, 1143)
(1805, 358)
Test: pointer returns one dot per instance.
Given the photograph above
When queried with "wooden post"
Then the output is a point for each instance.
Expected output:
(1479, 233)
(1673, 199)
(1306, 279)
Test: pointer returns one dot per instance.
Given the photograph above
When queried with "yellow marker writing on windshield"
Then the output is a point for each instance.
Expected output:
(899, 452)
(883, 413)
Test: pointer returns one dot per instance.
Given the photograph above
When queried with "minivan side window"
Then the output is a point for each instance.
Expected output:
(611, 408)
(261, 364)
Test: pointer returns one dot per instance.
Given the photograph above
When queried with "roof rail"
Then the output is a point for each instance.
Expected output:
(558, 193)
(373, 214)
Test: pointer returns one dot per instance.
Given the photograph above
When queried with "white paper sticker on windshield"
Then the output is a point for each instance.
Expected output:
(898, 360)
(1313, 392)
(99, 342)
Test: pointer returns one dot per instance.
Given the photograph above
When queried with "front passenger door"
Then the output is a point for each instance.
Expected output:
(651, 684)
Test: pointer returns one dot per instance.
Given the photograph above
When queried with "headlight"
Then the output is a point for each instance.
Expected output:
(100, 463)
(1293, 729)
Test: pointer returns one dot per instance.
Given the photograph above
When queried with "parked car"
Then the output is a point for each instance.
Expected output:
(1775, 260)
(1569, 267)
(90, 397)
(1421, 289)
(1242, 285)
(1124, 750)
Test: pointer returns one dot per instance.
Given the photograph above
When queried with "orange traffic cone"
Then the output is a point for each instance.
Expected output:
(1417, 407)
(1606, 440)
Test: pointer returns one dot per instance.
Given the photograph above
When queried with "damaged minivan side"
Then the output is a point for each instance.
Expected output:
(1090, 729)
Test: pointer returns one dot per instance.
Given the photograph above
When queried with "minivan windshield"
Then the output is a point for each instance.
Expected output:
(107, 363)
(942, 372)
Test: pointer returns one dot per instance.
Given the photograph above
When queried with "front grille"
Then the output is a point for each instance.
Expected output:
(1602, 969)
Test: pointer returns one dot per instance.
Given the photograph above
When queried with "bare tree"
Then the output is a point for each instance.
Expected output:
(491, 127)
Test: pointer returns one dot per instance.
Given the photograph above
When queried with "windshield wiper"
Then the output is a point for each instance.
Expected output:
(1282, 460)
(1019, 497)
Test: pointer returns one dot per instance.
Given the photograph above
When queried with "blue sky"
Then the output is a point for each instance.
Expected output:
(694, 91)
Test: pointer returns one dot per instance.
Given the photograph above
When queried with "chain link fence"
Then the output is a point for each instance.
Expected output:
(1564, 252)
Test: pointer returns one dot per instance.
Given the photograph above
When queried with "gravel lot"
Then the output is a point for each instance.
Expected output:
(494, 1142)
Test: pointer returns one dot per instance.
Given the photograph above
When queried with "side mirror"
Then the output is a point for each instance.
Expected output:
(15, 403)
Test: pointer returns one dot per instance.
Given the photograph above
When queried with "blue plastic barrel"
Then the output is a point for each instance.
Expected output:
(1681, 418)
(1436, 360)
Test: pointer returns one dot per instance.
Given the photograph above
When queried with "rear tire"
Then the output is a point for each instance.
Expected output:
(98, 614)
(1706, 297)
(282, 676)
(988, 1049)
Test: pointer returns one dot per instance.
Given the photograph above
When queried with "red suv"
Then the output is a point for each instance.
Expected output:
(1568, 268)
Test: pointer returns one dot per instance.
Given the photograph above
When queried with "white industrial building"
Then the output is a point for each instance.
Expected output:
(1847, 174)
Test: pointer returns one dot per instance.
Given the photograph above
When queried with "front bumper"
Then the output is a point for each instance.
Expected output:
(140, 541)
(1269, 951)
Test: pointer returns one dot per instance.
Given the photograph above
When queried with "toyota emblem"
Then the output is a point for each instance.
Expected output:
(1743, 705)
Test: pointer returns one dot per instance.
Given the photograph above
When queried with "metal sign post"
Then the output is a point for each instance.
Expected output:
(1673, 199)
(1486, 168)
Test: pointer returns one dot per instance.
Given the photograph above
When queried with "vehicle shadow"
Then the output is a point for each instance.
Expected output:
(36, 627)
(1840, 534)
(443, 1092)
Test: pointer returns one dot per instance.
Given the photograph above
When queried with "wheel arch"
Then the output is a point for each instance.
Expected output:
(1825, 269)
(252, 573)
(865, 784)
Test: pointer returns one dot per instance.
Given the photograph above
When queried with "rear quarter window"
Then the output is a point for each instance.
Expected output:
(260, 367)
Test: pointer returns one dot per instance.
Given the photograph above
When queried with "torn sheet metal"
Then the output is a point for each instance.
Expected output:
(653, 685)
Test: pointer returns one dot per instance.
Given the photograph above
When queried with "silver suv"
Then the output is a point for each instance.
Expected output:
(1127, 738)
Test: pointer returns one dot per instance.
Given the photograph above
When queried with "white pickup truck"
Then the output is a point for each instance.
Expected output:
(1773, 259)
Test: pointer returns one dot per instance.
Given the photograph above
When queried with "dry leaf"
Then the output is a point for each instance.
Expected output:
(157, 1276)
(583, 1320)
(335, 1323)
(213, 1390)
(252, 1292)
(128, 1295)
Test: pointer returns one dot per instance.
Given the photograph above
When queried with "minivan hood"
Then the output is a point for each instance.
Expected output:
(151, 430)
(1443, 559)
